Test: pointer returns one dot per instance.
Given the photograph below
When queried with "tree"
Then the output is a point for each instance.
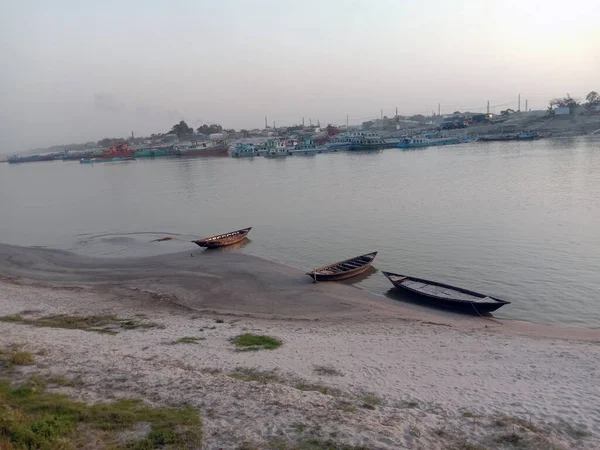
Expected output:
(592, 99)
(181, 129)
(564, 102)
(210, 129)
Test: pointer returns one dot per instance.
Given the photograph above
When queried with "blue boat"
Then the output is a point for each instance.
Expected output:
(243, 150)
(424, 142)
(308, 148)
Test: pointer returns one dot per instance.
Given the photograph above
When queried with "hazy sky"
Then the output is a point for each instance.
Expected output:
(74, 70)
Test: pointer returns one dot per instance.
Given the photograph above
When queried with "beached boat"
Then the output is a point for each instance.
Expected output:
(343, 269)
(424, 142)
(444, 295)
(95, 160)
(222, 240)
(243, 150)
(217, 148)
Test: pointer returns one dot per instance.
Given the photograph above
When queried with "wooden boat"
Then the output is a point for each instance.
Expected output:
(444, 295)
(343, 269)
(222, 240)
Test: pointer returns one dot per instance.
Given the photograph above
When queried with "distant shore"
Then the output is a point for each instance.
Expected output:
(353, 368)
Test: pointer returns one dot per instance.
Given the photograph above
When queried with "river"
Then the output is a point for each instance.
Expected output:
(517, 220)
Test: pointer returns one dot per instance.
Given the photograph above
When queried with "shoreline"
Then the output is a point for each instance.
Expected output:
(240, 285)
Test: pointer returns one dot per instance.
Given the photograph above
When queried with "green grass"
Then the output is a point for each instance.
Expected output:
(314, 387)
(100, 324)
(249, 374)
(188, 340)
(31, 418)
(369, 401)
(344, 405)
(16, 358)
(249, 342)
(505, 421)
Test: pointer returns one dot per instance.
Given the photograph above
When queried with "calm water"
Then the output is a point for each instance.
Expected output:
(520, 221)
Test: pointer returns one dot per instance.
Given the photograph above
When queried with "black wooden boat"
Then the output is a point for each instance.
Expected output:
(222, 240)
(444, 295)
(343, 269)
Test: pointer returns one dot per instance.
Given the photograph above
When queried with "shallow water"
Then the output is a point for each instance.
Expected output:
(520, 221)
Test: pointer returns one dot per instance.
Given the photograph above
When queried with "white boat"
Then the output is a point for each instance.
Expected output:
(243, 150)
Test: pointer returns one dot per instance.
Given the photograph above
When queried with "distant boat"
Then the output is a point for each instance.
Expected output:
(95, 160)
(367, 140)
(31, 158)
(279, 148)
(222, 240)
(523, 136)
(218, 148)
(424, 142)
(343, 269)
(118, 151)
(308, 148)
(154, 152)
(342, 142)
(445, 295)
(243, 150)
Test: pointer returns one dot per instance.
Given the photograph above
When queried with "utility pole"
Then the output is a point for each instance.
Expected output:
(346, 121)
(318, 123)
(519, 108)
(526, 108)
(274, 127)
(382, 114)
(303, 122)
(396, 111)
(266, 124)
(310, 121)
(488, 107)
(439, 109)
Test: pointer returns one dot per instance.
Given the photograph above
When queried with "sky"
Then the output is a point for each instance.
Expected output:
(74, 71)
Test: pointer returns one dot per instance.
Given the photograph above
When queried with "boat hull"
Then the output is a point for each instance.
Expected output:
(427, 144)
(469, 307)
(223, 240)
(213, 151)
(95, 160)
(327, 273)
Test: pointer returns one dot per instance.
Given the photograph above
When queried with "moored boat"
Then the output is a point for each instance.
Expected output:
(118, 151)
(279, 148)
(424, 142)
(243, 150)
(343, 269)
(217, 148)
(308, 147)
(222, 240)
(367, 140)
(154, 152)
(30, 158)
(444, 295)
(95, 160)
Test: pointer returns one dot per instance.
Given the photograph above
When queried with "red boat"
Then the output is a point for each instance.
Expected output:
(219, 148)
(118, 151)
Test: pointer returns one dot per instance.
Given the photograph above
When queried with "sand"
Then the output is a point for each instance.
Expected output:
(438, 379)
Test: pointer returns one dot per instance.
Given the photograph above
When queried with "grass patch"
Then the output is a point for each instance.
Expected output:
(505, 421)
(314, 387)
(301, 427)
(248, 374)
(464, 444)
(33, 418)
(100, 324)
(42, 381)
(188, 340)
(328, 370)
(211, 371)
(370, 401)
(344, 405)
(249, 342)
(513, 439)
(16, 358)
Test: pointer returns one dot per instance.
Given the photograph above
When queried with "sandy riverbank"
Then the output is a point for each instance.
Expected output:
(438, 381)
